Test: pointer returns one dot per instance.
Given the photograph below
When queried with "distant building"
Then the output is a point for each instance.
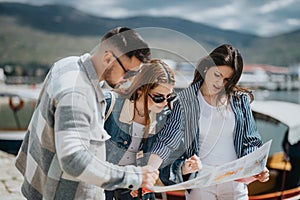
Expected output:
(265, 77)
(2, 76)
(295, 75)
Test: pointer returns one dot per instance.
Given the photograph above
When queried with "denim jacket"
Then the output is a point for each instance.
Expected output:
(246, 136)
(119, 126)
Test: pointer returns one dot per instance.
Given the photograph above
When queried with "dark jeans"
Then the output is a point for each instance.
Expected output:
(124, 194)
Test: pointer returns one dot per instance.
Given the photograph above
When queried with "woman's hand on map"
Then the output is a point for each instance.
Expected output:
(263, 176)
(247, 180)
(191, 165)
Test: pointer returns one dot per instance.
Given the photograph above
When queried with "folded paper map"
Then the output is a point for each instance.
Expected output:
(242, 168)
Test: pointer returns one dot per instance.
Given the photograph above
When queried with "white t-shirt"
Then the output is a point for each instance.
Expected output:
(216, 126)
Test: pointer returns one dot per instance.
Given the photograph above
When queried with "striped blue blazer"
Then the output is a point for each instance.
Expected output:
(179, 139)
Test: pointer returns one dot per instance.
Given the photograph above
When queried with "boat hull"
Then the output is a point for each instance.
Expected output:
(10, 146)
(11, 140)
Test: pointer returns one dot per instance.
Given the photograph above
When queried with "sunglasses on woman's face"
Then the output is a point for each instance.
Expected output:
(161, 98)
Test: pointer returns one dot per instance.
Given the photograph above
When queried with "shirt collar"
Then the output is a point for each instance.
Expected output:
(99, 87)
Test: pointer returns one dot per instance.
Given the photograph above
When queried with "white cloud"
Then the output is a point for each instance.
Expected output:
(231, 24)
(167, 11)
(275, 5)
(100, 8)
(293, 21)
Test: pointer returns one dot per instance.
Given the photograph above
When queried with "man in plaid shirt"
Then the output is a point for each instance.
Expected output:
(63, 153)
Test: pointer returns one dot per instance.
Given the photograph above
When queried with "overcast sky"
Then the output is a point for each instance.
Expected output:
(261, 17)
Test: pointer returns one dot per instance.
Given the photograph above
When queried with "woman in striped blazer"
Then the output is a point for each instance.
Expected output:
(213, 120)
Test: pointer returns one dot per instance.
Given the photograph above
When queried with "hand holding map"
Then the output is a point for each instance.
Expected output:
(242, 168)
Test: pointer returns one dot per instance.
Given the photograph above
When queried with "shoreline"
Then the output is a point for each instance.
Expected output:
(10, 178)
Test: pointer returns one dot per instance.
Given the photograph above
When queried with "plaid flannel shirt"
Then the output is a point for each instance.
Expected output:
(63, 153)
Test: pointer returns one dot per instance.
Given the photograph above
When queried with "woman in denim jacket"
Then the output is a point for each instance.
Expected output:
(213, 118)
(136, 117)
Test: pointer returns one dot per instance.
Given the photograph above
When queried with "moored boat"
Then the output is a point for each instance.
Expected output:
(16, 107)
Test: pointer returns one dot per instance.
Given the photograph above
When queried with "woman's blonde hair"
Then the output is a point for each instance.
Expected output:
(152, 74)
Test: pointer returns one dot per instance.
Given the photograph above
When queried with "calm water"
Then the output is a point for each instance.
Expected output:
(272, 131)
(290, 96)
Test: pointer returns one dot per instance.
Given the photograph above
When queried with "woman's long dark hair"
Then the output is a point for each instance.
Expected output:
(223, 55)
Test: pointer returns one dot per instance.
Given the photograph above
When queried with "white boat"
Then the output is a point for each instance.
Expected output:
(17, 103)
(279, 113)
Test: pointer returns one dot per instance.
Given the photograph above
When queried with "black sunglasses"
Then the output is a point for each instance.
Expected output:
(128, 73)
(161, 98)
